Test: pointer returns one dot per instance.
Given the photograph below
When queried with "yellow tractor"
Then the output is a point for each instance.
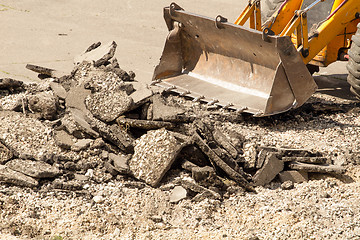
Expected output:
(265, 67)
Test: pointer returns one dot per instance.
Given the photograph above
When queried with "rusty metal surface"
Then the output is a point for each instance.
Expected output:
(231, 66)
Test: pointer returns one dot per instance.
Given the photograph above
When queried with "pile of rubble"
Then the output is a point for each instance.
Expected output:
(98, 123)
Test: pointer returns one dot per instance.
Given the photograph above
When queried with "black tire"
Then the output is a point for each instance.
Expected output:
(268, 7)
(353, 65)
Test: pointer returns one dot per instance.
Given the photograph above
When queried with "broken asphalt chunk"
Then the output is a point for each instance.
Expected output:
(36, 169)
(144, 124)
(5, 154)
(58, 90)
(45, 71)
(7, 175)
(63, 139)
(294, 176)
(161, 111)
(155, 152)
(99, 54)
(112, 133)
(177, 194)
(316, 168)
(9, 83)
(108, 105)
(217, 161)
(272, 166)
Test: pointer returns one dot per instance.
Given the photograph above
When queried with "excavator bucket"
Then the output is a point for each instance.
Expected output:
(231, 66)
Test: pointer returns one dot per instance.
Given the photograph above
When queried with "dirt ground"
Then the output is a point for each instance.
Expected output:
(51, 33)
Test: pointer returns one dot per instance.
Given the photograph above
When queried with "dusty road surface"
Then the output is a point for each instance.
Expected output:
(88, 198)
(51, 33)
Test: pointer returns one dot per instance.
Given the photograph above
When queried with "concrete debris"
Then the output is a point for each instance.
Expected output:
(9, 176)
(76, 124)
(63, 139)
(177, 194)
(217, 161)
(287, 185)
(45, 71)
(294, 176)
(108, 105)
(271, 168)
(144, 124)
(10, 84)
(161, 111)
(81, 144)
(141, 96)
(316, 168)
(99, 123)
(44, 103)
(58, 90)
(191, 185)
(120, 162)
(76, 98)
(97, 54)
(35, 169)
(27, 137)
(112, 133)
(14, 102)
(5, 154)
(154, 154)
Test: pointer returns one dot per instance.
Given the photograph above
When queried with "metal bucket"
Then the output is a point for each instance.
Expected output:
(231, 66)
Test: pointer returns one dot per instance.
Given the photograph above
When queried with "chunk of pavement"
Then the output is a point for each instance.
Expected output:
(44, 103)
(294, 176)
(27, 137)
(217, 161)
(13, 102)
(144, 124)
(141, 96)
(99, 55)
(63, 139)
(81, 144)
(313, 160)
(223, 141)
(112, 133)
(45, 71)
(76, 98)
(58, 90)
(77, 122)
(7, 175)
(155, 152)
(287, 185)
(120, 162)
(316, 168)
(108, 105)
(262, 156)
(250, 154)
(161, 111)
(194, 155)
(9, 83)
(110, 168)
(201, 173)
(96, 79)
(5, 154)
(36, 169)
(187, 165)
(190, 184)
(272, 166)
(177, 194)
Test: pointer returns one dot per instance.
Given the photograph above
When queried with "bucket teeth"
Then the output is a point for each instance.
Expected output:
(197, 99)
